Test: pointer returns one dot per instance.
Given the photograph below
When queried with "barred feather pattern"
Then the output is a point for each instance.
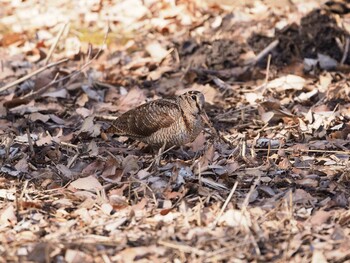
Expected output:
(173, 122)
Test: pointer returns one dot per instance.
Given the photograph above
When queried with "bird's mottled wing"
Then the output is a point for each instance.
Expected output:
(147, 119)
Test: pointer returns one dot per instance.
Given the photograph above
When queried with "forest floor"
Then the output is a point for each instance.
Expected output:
(272, 186)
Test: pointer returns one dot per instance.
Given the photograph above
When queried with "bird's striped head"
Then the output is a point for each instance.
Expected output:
(192, 100)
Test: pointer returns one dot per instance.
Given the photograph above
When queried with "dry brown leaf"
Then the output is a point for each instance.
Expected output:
(318, 257)
(303, 197)
(198, 143)
(8, 216)
(140, 205)
(308, 182)
(87, 183)
(132, 99)
(35, 116)
(62, 93)
(22, 165)
(44, 139)
(235, 218)
(156, 51)
(90, 128)
(286, 83)
(320, 217)
(130, 165)
(76, 256)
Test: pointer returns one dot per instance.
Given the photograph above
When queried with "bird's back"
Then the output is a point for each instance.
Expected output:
(159, 122)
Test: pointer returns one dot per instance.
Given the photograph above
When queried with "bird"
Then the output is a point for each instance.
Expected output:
(164, 123)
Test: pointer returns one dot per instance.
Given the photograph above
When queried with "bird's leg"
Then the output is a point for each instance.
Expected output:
(183, 154)
(157, 158)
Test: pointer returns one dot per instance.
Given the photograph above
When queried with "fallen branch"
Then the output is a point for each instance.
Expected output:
(55, 43)
(228, 199)
(263, 53)
(304, 151)
(36, 72)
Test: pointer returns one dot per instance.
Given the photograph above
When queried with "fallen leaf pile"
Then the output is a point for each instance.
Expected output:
(271, 185)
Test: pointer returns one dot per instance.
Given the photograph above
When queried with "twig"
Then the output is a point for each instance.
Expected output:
(213, 184)
(40, 91)
(94, 57)
(32, 74)
(199, 173)
(160, 153)
(25, 186)
(74, 74)
(268, 69)
(228, 199)
(252, 188)
(346, 50)
(166, 55)
(306, 151)
(30, 142)
(70, 163)
(105, 258)
(69, 145)
(264, 52)
(186, 71)
(135, 180)
(105, 117)
(182, 248)
(262, 88)
(55, 43)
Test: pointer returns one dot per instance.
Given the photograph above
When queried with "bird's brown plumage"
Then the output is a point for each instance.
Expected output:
(165, 121)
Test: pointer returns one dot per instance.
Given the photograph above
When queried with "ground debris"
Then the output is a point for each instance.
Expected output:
(270, 185)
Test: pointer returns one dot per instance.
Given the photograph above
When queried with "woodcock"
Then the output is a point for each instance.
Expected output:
(164, 122)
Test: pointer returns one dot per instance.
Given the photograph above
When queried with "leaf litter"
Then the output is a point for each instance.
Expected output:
(270, 186)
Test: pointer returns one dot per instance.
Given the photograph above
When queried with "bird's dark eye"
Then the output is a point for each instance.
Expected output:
(194, 97)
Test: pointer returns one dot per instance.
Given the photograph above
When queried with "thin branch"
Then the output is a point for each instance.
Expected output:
(302, 150)
(228, 199)
(30, 142)
(49, 55)
(346, 51)
(265, 52)
(182, 248)
(32, 74)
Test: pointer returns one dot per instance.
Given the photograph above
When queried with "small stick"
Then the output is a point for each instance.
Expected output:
(186, 71)
(69, 145)
(39, 91)
(49, 55)
(305, 151)
(265, 51)
(160, 153)
(262, 88)
(30, 142)
(228, 199)
(252, 188)
(25, 186)
(346, 50)
(135, 180)
(268, 69)
(182, 248)
(72, 160)
(105, 117)
(206, 120)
